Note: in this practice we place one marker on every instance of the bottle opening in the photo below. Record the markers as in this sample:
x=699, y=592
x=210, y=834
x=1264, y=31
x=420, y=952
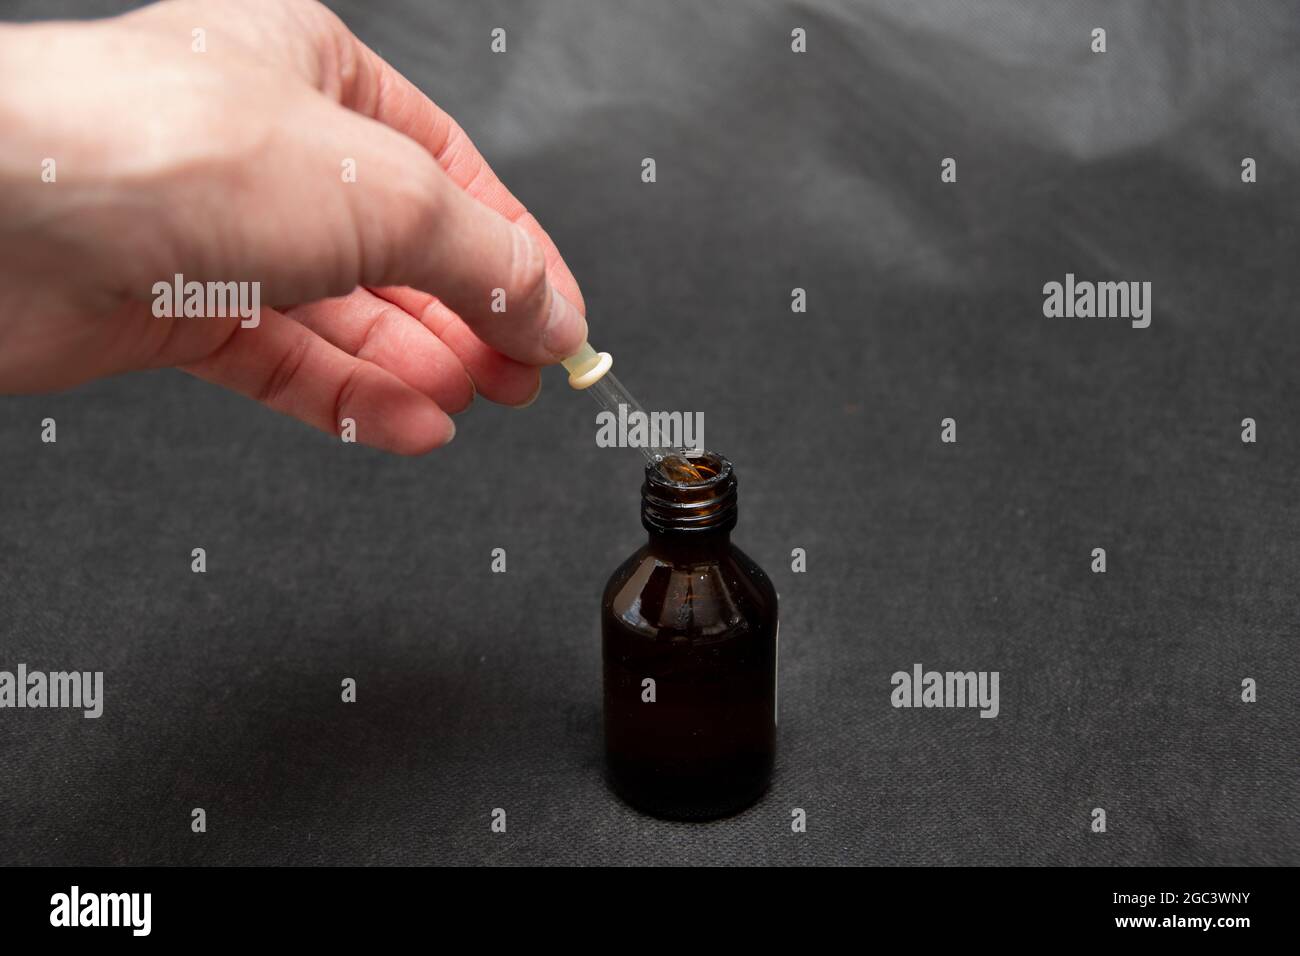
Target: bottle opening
x=691, y=492
x=691, y=468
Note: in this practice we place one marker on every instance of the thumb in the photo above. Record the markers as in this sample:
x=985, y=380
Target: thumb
x=416, y=227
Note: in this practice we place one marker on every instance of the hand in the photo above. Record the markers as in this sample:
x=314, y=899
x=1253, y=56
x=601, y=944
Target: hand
x=230, y=165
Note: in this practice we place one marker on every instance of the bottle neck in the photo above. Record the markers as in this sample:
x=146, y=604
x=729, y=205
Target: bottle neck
x=690, y=519
x=690, y=547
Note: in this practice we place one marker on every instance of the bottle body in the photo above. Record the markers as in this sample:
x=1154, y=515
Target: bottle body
x=689, y=634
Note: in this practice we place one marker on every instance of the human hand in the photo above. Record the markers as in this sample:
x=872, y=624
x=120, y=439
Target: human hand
x=230, y=165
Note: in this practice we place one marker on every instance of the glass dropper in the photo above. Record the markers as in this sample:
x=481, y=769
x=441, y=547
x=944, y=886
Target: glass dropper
x=589, y=371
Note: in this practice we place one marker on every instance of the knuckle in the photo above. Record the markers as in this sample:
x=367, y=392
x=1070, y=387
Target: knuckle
x=343, y=397
x=461, y=399
x=529, y=288
x=430, y=196
x=421, y=206
x=386, y=321
x=415, y=209
x=281, y=377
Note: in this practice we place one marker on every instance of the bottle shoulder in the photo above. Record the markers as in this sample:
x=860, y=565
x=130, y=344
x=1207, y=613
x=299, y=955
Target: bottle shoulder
x=706, y=599
x=751, y=569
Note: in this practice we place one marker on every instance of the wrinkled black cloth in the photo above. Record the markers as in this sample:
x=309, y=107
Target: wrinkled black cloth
x=775, y=170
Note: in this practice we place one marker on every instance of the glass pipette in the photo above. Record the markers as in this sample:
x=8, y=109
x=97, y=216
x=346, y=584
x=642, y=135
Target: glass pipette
x=589, y=371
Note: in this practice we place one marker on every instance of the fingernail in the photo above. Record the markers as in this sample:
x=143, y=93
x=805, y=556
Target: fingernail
x=565, y=330
x=537, y=391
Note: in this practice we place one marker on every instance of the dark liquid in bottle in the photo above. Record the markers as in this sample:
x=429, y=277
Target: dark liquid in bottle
x=689, y=644
x=679, y=468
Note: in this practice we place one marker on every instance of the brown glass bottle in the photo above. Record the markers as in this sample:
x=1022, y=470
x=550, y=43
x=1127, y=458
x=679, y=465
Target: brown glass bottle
x=690, y=612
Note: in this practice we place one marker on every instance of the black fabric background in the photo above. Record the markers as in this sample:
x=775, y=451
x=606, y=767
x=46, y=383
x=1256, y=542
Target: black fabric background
x=775, y=170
